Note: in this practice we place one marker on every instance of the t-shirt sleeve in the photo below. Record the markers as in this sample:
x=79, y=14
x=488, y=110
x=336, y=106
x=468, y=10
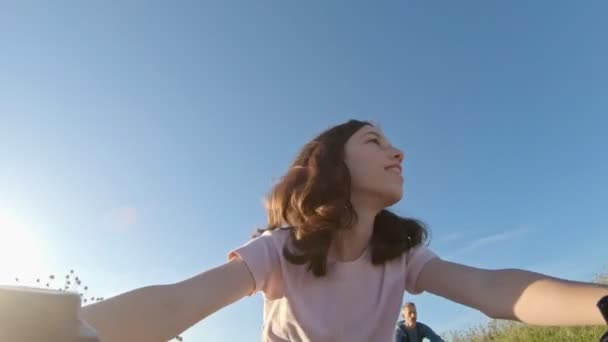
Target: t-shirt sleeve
x=262, y=257
x=416, y=258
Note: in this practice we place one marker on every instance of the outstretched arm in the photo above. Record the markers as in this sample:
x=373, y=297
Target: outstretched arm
x=430, y=334
x=521, y=295
x=159, y=313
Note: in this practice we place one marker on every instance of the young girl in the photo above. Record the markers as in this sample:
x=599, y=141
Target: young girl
x=333, y=263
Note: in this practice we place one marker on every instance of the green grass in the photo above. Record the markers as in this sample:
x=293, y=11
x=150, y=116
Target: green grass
x=503, y=331
x=507, y=331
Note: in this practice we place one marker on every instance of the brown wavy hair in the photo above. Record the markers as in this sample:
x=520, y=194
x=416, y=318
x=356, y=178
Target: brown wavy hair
x=313, y=199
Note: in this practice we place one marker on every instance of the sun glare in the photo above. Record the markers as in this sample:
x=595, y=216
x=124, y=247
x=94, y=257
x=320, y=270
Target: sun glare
x=20, y=252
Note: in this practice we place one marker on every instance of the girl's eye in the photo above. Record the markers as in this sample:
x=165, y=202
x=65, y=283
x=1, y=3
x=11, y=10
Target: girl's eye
x=375, y=141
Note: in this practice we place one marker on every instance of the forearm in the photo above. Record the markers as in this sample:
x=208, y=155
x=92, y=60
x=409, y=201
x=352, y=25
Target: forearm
x=433, y=337
x=541, y=300
x=430, y=334
x=144, y=314
x=159, y=313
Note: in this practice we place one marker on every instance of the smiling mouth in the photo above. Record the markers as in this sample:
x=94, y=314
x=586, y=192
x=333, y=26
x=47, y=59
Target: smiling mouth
x=394, y=169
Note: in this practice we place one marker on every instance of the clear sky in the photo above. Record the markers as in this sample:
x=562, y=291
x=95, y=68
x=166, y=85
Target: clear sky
x=138, y=139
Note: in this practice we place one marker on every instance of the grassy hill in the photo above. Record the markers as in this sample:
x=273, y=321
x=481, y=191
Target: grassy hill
x=507, y=331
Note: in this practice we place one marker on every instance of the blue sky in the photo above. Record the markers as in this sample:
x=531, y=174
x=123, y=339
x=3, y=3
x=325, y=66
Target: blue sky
x=137, y=140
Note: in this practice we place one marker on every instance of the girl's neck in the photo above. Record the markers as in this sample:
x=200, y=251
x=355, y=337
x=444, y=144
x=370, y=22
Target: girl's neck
x=350, y=244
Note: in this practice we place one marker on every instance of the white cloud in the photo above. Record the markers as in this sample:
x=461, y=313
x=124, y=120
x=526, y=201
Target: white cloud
x=488, y=240
x=452, y=237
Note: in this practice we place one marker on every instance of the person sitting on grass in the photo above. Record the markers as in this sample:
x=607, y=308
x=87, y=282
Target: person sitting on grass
x=410, y=330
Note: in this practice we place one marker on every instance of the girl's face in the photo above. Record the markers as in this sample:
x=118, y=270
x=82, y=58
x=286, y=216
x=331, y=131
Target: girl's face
x=375, y=168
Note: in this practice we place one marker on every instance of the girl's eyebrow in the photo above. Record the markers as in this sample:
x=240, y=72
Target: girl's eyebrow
x=372, y=133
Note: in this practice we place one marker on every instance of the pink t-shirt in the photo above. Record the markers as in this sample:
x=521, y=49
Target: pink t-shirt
x=355, y=301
